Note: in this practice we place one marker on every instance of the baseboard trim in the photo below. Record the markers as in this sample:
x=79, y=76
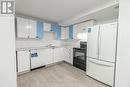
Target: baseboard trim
x=38, y=67
x=20, y=73
x=68, y=63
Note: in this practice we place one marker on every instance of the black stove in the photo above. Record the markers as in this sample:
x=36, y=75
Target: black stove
x=79, y=56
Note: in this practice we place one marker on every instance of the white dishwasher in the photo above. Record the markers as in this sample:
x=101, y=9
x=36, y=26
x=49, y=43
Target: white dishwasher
x=37, y=59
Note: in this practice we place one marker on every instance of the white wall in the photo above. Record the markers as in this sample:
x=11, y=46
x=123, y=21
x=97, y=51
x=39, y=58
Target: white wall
x=123, y=57
x=7, y=53
x=49, y=38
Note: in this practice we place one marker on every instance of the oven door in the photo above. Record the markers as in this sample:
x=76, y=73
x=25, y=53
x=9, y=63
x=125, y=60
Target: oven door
x=79, y=58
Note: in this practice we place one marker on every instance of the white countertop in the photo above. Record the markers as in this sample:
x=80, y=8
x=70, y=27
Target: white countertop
x=31, y=48
x=38, y=48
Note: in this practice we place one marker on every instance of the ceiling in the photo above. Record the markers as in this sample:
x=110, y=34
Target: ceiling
x=106, y=14
x=56, y=10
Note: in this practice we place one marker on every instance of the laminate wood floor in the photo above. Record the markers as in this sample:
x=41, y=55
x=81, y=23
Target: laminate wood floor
x=59, y=75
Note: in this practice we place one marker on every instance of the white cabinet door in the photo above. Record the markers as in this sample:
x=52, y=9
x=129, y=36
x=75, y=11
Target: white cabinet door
x=92, y=43
x=64, y=33
x=26, y=28
x=44, y=57
x=47, y=26
x=58, y=54
x=75, y=32
x=68, y=55
x=71, y=55
x=22, y=28
x=48, y=55
x=23, y=61
x=102, y=71
x=33, y=29
x=81, y=28
x=107, y=46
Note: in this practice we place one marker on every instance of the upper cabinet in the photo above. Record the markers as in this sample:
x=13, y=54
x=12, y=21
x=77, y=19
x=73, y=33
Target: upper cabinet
x=40, y=29
x=81, y=28
x=22, y=28
x=57, y=30
x=75, y=32
x=71, y=32
x=32, y=28
x=27, y=28
x=71, y=36
x=47, y=26
x=64, y=32
x=67, y=32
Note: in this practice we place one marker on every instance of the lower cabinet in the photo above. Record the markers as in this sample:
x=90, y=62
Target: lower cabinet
x=23, y=61
x=32, y=59
x=65, y=54
x=41, y=57
x=58, y=54
x=68, y=55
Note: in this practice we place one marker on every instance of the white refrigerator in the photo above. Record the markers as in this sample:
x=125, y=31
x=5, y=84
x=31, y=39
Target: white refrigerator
x=101, y=52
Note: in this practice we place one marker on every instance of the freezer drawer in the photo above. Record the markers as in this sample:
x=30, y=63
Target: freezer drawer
x=102, y=71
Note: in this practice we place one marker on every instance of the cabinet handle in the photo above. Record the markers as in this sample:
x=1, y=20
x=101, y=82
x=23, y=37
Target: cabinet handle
x=100, y=64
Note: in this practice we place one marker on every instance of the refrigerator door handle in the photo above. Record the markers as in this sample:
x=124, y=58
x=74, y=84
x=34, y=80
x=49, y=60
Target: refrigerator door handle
x=100, y=64
x=99, y=40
